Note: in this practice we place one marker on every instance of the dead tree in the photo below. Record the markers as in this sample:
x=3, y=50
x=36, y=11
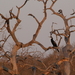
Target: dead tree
x=18, y=44
x=66, y=34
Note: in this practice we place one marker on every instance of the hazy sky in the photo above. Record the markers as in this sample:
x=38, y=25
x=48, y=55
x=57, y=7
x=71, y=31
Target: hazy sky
x=28, y=25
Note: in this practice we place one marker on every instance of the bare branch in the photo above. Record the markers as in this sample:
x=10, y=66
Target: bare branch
x=8, y=25
x=32, y=66
x=1, y=40
x=42, y=63
x=18, y=20
x=53, y=2
x=23, y=4
x=62, y=60
x=73, y=12
x=40, y=23
x=34, y=18
x=72, y=26
x=9, y=31
x=4, y=26
x=5, y=40
x=44, y=47
x=16, y=25
x=60, y=38
x=59, y=41
x=20, y=8
x=52, y=25
x=38, y=43
x=45, y=13
x=56, y=13
x=72, y=31
x=54, y=32
x=70, y=18
x=12, y=14
x=72, y=51
x=3, y=17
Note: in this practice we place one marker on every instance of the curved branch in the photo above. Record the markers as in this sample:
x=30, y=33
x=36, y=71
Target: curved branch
x=72, y=31
x=72, y=26
x=42, y=46
x=32, y=66
x=38, y=43
x=62, y=60
x=22, y=5
x=70, y=18
x=34, y=18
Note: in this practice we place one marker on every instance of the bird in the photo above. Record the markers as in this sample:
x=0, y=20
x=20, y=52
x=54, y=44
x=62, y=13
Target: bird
x=53, y=43
x=60, y=11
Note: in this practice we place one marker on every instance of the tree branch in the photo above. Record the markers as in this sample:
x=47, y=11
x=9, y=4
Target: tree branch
x=38, y=43
x=3, y=17
x=70, y=18
x=20, y=8
x=45, y=13
x=72, y=26
x=5, y=40
x=72, y=31
x=56, y=13
x=34, y=18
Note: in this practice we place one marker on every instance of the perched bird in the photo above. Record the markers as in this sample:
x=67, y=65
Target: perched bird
x=53, y=43
x=60, y=11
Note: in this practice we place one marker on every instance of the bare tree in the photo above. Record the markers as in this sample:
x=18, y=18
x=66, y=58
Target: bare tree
x=66, y=33
x=18, y=45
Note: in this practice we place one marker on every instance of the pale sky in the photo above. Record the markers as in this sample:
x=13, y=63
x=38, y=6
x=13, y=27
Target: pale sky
x=28, y=25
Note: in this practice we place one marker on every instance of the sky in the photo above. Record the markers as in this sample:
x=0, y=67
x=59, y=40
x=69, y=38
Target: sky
x=28, y=25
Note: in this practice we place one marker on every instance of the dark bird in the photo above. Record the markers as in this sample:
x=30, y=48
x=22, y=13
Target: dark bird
x=60, y=11
x=54, y=43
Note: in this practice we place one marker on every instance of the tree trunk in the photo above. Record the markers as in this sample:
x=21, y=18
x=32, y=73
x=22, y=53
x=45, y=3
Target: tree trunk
x=66, y=50
x=66, y=68
x=13, y=60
